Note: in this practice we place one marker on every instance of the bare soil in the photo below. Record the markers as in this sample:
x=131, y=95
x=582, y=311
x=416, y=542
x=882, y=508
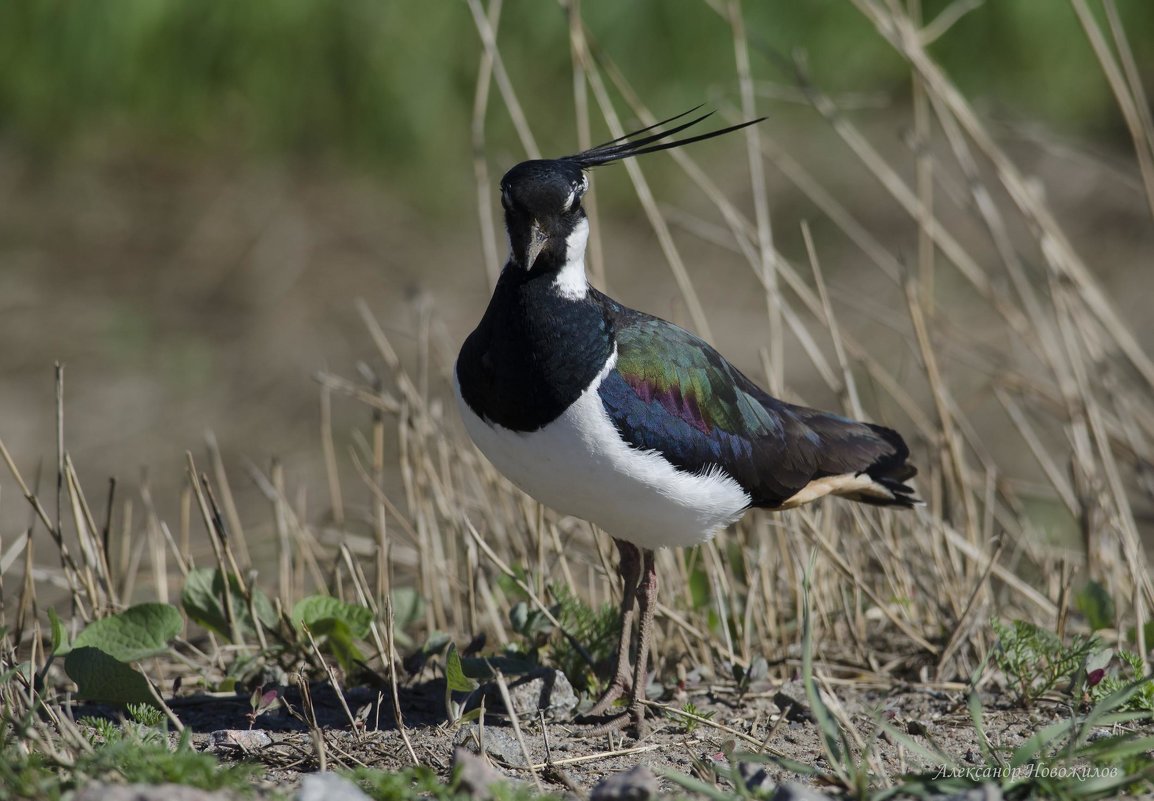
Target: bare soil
x=567, y=759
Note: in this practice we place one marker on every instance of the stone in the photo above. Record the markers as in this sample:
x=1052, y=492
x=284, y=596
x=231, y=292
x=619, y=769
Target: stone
x=794, y=710
x=636, y=784
x=246, y=740
x=497, y=742
x=329, y=787
x=98, y=791
x=474, y=775
x=756, y=777
x=987, y=792
x=790, y=791
x=541, y=690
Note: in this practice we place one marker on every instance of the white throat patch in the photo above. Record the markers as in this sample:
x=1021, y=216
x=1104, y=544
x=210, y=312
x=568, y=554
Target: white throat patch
x=571, y=282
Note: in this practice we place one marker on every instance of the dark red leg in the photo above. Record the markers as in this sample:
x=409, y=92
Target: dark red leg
x=629, y=568
x=646, y=603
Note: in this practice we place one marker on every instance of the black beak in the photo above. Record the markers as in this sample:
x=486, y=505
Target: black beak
x=538, y=239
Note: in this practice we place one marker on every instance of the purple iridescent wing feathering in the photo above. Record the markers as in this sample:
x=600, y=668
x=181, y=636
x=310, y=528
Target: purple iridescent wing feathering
x=674, y=394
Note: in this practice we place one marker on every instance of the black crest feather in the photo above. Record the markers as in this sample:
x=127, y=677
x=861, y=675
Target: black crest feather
x=627, y=146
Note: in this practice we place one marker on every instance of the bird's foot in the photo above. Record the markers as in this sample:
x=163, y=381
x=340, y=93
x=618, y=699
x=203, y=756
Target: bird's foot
x=618, y=688
x=631, y=721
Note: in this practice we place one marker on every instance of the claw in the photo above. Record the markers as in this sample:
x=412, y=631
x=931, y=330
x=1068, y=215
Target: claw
x=631, y=721
x=605, y=702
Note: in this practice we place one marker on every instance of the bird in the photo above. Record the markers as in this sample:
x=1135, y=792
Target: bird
x=630, y=422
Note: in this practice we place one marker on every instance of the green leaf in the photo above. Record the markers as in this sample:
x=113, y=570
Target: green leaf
x=408, y=607
x=470, y=716
x=1036, y=745
x=338, y=641
x=519, y=618
x=1095, y=603
x=203, y=600
x=316, y=608
x=140, y=631
x=509, y=586
x=1117, y=747
x=455, y=678
x=60, y=644
x=101, y=677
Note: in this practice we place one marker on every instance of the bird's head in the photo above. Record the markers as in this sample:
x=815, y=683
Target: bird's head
x=543, y=214
x=542, y=198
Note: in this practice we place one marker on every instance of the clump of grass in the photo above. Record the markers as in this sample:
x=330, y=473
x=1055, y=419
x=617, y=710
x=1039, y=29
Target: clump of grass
x=1128, y=675
x=422, y=782
x=1035, y=660
x=693, y=716
x=1090, y=755
x=135, y=750
x=595, y=629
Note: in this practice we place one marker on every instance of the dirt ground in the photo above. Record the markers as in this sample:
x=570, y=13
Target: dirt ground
x=750, y=721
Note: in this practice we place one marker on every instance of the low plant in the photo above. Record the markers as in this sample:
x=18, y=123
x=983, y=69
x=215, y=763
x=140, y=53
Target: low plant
x=244, y=614
x=1035, y=660
x=100, y=659
x=134, y=750
x=693, y=716
x=1088, y=755
x=1127, y=674
x=420, y=781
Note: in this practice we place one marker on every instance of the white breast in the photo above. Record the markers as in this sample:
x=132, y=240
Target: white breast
x=580, y=466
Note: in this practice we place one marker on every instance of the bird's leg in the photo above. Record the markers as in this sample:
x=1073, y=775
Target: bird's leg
x=646, y=604
x=629, y=568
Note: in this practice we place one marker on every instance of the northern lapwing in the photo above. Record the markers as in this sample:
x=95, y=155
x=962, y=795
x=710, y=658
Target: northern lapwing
x=629, y=421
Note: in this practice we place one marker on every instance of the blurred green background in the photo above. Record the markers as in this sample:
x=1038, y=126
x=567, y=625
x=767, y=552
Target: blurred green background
x=387, y=85
x=192, y=192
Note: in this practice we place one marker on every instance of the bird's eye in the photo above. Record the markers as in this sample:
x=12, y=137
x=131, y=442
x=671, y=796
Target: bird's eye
x=506, y=200
x=576, y=192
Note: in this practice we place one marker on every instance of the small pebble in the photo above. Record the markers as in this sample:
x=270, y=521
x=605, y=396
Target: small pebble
x=474, y=775
x=636, y=784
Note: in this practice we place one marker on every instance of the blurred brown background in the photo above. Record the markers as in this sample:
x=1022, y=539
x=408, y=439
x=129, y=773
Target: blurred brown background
x=193, y=195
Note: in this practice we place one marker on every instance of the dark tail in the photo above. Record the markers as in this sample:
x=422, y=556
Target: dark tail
x=890, y=472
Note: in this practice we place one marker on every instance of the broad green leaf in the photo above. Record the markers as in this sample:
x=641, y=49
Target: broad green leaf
x=203, y=602
x=337, y=639
x=408, y=607
x=315, y=608
x=101, y=677
x=1095, y=603
x=60, y=644
x=455, y=678
x=470, y=716
x=511, y=588
x=140, y=631
x=519, y=618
